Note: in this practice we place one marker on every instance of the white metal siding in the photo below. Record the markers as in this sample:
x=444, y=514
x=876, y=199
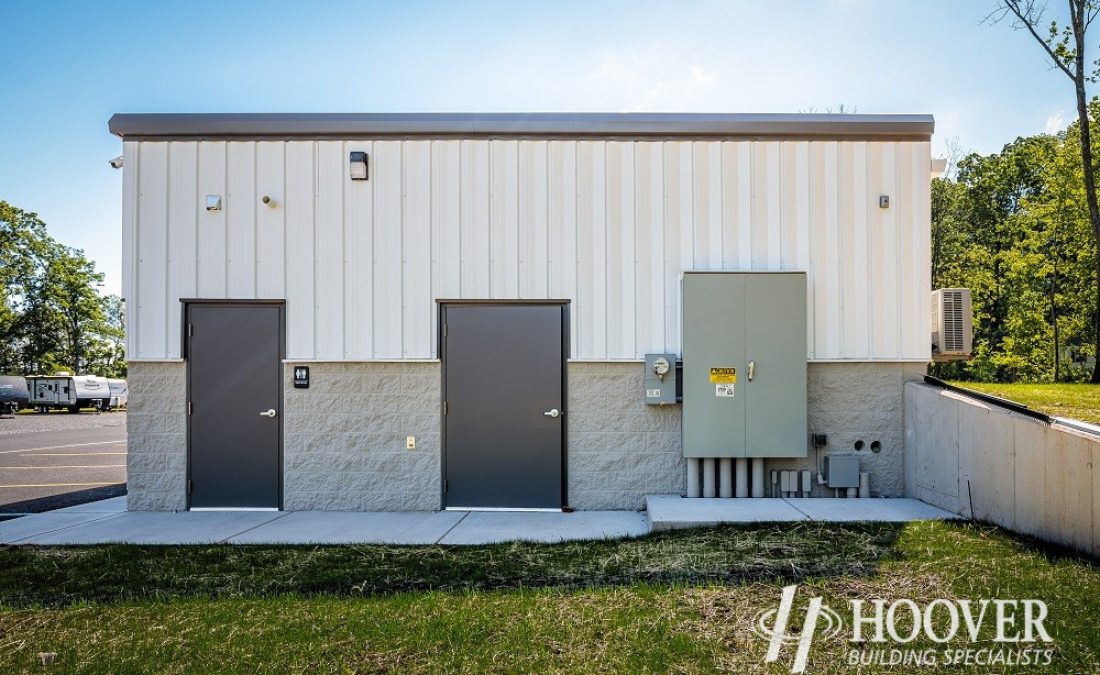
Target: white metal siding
x=609, y=225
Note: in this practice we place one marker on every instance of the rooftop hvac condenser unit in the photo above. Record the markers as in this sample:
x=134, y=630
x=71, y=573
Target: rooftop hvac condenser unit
x=952, y=324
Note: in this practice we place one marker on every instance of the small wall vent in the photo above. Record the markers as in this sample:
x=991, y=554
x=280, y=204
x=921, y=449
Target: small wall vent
x=952, y=327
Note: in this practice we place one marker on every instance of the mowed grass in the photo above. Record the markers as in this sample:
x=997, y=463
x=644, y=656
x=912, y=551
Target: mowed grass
x=681, y=602
x=1076, y=401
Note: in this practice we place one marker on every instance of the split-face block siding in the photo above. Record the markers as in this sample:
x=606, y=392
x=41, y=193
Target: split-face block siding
x=344, y=437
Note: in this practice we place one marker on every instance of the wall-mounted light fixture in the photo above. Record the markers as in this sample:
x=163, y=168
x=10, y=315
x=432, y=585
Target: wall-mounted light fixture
x=213, y=203
x=884, y=201
x=358, y=165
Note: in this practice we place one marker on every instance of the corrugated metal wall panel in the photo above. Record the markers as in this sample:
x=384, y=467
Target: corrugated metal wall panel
x=534, y=253
x=271, y=220
x=241, y=201
x=300, y=262
x=388, y=317
x=211, y=262
x=332, y=177
x=418, y=305
x=183, y=218
x=130, y=174
x=649, y=231
x=359, y=261
x=152, y=250
x=609, y=225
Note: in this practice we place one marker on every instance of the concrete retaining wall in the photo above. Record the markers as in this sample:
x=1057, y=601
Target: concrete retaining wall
x=1019, y=472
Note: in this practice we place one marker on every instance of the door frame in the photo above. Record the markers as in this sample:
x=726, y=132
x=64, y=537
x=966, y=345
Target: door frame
x=441, y=313
x=185, y=307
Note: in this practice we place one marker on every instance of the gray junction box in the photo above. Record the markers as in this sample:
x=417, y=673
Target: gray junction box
x=660, y=379
x=744, y=364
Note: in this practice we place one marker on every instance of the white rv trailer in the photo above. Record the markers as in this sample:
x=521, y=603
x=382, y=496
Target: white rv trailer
x=119, y=393
x=71, y=392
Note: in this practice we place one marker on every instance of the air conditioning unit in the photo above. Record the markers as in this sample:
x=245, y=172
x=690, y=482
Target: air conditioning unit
x=952, y=324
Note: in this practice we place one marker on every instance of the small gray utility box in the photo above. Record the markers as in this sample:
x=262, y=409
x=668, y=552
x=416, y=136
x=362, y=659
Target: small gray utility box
x=744, y=364
x=660, y=379
x=841, y=471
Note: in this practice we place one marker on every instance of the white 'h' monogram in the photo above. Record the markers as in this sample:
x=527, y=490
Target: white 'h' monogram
x=778, y=631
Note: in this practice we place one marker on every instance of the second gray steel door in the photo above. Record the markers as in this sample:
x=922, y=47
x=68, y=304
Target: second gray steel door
x=234, y=370
x=503, y=391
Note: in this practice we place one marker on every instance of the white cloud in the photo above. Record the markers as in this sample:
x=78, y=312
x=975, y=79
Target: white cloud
x=1055, y=122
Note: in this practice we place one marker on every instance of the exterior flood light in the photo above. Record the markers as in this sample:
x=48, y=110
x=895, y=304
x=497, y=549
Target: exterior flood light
x=358, y=165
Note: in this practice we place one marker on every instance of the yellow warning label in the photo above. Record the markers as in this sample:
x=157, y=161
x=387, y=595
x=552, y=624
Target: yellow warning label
x=726, y=375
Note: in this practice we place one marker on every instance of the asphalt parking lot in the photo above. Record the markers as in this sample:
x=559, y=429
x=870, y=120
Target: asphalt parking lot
x=55, y=460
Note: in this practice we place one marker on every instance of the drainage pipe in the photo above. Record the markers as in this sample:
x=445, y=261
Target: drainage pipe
x=851, y=493
x=742, y=471
x=757, y=477
x=725, y=477
x=864, y=485
x=708, y=477
x=693, y=477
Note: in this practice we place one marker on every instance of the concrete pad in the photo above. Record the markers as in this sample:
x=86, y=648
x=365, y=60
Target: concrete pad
x=340, y=527
x=671, y=512
x=829, y=510
x=490, y=527
x=146, y=527
x=40, y=524
x=112, y=505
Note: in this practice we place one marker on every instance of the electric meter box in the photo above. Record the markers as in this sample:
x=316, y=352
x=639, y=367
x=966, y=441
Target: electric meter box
x=660, y=379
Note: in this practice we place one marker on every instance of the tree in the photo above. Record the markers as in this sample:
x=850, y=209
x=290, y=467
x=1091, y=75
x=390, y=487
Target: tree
x=1065, y=47
x=52, y=315
x=72, y=289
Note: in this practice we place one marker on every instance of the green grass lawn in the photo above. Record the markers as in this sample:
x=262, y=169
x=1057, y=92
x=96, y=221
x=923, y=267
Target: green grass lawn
x=682, y=601
x=1076, y=401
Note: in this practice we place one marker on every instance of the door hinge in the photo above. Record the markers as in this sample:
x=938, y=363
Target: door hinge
x=189, y=407
x=444, y=407
x=190, y=486
x=444, y=330
x=190, y=330
x=444, y=486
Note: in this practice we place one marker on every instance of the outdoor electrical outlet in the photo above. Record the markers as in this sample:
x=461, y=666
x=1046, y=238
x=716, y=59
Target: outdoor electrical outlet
x=410, y=442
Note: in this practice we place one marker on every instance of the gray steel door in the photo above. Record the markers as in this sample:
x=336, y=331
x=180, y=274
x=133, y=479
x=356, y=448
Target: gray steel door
x=502, y=368
x=234, y=361
x=775, y=327
x=714, y=337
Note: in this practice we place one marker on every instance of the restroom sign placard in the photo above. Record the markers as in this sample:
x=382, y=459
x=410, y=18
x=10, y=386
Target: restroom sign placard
x=723, y=375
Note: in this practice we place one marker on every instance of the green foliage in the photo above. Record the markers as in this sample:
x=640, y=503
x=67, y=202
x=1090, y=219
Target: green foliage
x=1014, y=228
x=52, y=315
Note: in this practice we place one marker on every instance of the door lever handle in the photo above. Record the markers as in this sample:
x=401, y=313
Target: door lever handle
x=752, y=367
x=269, y=413
x=553, y=413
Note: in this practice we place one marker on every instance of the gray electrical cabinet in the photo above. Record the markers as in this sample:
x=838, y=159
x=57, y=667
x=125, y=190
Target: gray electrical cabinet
x=744, y=352
x=660, y=379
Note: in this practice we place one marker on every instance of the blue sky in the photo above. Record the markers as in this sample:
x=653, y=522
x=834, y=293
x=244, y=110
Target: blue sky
x=65, y=67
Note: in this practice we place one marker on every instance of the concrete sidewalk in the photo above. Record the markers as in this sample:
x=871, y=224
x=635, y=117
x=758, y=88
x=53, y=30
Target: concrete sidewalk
x=671, y=512
x=108, y=522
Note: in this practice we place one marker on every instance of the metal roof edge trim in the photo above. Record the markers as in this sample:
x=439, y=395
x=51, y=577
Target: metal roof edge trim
x=511, y=125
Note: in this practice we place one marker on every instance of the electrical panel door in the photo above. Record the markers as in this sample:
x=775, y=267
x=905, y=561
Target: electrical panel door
x=744, y=364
